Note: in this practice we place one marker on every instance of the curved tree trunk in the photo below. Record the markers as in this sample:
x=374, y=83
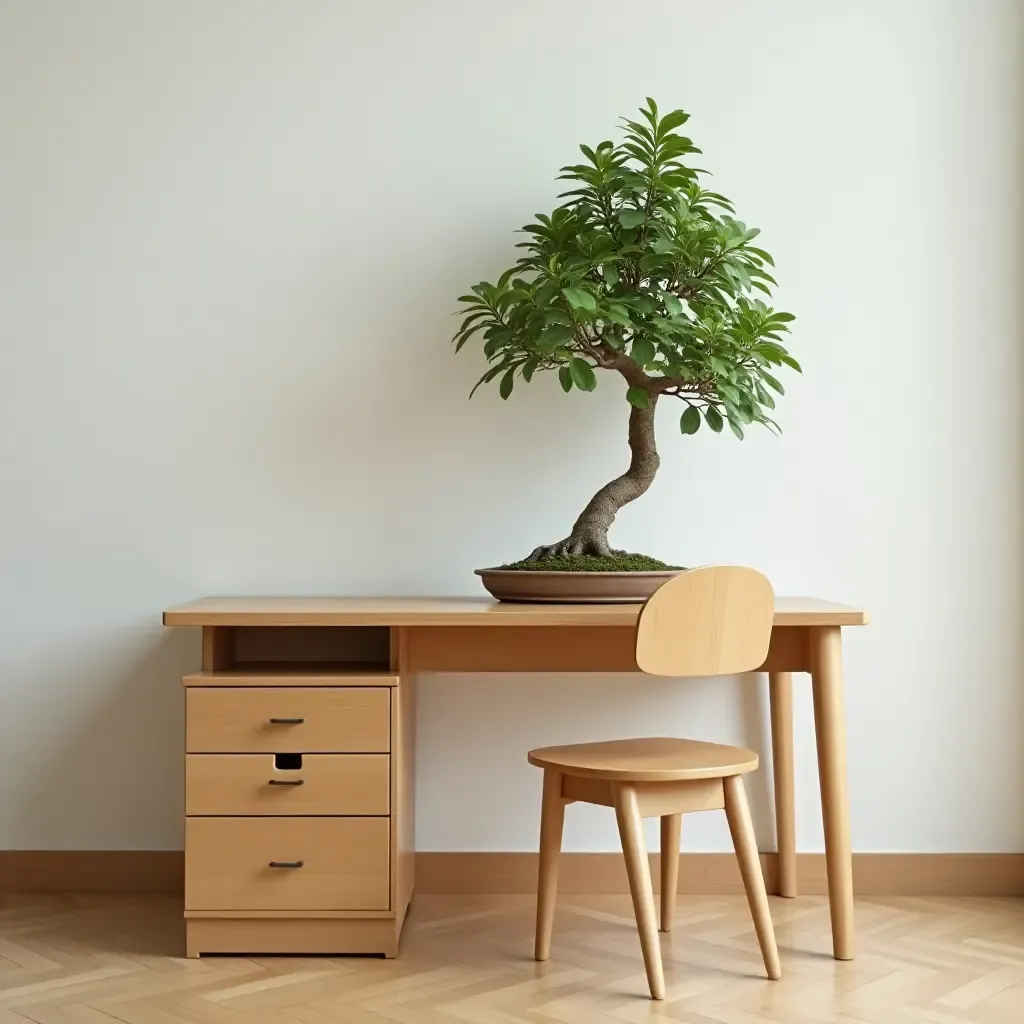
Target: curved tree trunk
x=590, y=533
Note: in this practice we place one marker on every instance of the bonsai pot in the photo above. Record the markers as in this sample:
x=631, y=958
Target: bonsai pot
x=560, y=587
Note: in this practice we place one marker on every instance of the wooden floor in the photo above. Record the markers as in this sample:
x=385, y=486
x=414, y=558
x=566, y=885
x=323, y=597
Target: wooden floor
x=467, y=959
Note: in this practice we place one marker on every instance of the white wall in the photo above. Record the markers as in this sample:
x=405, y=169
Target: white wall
x=231, y=233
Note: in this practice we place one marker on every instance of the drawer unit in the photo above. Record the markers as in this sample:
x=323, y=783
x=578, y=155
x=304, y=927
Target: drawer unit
x=318, y=784
x=287, y=864
x=299, y=750
x=288, y=720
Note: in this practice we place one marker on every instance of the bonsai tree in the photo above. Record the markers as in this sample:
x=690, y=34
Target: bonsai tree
x=644, y=273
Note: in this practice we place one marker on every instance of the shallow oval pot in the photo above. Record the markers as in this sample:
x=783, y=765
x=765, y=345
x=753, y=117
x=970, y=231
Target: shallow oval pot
x=538, y=586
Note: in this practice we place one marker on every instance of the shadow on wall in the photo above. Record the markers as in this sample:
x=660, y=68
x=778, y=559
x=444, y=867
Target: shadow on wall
x=110, y=774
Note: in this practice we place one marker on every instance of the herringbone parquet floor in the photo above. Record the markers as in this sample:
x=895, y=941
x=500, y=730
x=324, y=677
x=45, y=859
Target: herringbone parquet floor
x=98, y=959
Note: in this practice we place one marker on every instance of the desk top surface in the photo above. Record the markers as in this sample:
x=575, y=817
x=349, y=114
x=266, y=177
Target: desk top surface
x=458, y=611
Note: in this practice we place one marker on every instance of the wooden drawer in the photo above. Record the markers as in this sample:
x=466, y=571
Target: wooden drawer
x=344, y=864
x=250, y=784
x=347, y=720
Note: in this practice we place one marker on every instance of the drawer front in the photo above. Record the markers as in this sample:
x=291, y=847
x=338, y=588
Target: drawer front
x=347, y=720
x=344, y=864
x=250, y=784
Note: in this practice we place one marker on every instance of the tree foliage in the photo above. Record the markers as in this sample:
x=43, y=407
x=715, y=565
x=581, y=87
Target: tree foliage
x=642, y=271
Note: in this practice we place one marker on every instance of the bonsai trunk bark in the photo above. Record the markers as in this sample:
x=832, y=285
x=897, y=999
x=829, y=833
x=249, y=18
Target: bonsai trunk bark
x=590, y=533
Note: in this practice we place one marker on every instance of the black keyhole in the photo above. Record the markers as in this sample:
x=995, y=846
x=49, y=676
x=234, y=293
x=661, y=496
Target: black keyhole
x=288, y=762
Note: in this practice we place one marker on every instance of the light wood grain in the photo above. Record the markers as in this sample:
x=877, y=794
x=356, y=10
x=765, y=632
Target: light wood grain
x=671, y=828
x=631, y=831
x=100, y=959
x=403, y=780
x=742, y=830
x=830, y=733
x=552, y=816
x=654, y=799
x=294, y=936
x=345, y=864
x=249, y=784
x=284, y=915
x=291, y=675
x=707, y=622
x=567, y=648
x=440, y=611
x=218, y=647
x=780, y=690
x=646, y=759
x=238, y=720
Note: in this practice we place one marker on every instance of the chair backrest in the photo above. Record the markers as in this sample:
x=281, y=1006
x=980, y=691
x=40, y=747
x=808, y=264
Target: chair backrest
x=712, y=621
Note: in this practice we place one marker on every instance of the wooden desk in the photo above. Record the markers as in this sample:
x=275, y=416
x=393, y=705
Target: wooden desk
x=350, y=665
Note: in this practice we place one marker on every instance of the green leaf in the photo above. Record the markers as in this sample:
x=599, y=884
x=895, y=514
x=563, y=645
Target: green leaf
x=713, y=418
x=631, y=218
x=565, y=378
x=736, y=428
x=790, y=361
x=743, y=411
x=551, y=337
x=583, y=375
x=672, y=304
x=689, y=422
x=674, y=119
x=488, y=377
x=610, y=274
x=764, y=396
x=643, y=351
x=727, y=391
x=557, y=316
x=580, y=299
x=529, y=368
x=639, y=398
x=505, y=387
x=772, y=382
x=618, y=315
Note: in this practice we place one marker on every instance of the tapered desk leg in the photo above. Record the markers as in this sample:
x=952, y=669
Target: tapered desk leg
x=780, y=690
x=827, y=680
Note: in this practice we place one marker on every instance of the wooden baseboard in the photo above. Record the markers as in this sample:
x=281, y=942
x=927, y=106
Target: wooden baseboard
x=92, y=871
x=874, y=874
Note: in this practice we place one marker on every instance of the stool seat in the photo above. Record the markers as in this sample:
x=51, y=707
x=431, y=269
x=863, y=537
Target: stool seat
x=646, y=759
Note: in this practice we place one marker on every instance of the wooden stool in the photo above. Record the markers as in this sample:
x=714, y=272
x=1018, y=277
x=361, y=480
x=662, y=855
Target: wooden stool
x=706, y=622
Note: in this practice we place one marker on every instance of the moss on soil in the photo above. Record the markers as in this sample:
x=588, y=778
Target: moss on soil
x=592, y=563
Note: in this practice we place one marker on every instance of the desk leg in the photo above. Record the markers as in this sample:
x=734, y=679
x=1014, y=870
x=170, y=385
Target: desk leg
x=780, y=689
x=827, y=682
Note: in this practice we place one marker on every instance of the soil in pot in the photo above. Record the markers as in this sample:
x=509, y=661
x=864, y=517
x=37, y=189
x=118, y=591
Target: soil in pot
x=623, y=562
x=579, y=579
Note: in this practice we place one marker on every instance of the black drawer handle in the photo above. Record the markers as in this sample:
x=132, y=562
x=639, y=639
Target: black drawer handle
x=286, y=782
x=287, y=721
x=285, y=864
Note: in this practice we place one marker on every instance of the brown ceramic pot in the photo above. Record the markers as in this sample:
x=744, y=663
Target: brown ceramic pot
x=573, y=587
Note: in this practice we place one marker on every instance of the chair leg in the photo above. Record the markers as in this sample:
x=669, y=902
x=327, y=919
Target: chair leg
x=671, y=825
x=627, y=813
x=552, y=815
x=742, y=830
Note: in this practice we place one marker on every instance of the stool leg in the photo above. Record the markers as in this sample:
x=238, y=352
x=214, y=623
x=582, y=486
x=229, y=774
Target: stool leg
x=627, y=813
x=552, y=814
x=742, y=830
x=671, y=825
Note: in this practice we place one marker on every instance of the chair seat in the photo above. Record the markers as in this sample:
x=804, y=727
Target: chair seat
x=647, y=759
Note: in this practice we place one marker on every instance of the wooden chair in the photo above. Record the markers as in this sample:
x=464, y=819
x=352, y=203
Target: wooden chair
x=706, y=622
